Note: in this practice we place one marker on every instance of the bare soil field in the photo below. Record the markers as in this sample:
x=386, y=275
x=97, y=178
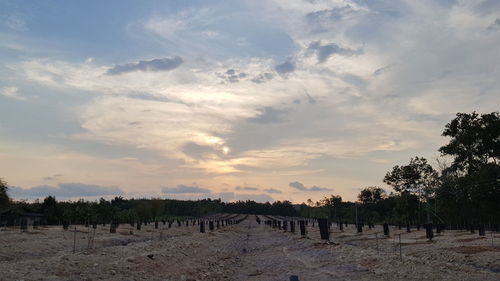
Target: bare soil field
x=245, y=251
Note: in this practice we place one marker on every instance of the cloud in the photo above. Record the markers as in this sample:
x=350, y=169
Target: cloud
x=382, y=70
x=232, y=76
x=53, y=177
x=310, y=99
x=14, y=22
x=197, y=151
x=272, y=190
x=321, y=20
x=248, y=188
x=181, y=189
x=299, y=186
x=495, y=24
x=323, y=52
x=12, y=92
x=286, y=67
x=262, y=78
x=269, y=115
x=153, y=65
x=65, y=190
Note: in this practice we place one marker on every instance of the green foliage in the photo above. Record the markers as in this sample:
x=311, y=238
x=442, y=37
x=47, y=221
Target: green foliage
x=371, y=195
x=418, y=177
x=470, y=187
x=475, y=141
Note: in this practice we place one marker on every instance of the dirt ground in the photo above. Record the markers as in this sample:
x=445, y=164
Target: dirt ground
x=245, y=251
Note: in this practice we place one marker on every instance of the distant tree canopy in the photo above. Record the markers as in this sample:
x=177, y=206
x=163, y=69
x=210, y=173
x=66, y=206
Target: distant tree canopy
x=120, y=210
x=4, y=197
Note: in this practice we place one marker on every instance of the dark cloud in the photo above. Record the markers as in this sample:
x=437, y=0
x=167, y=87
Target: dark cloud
x=284, y=68
x=50, y=178
x=272, y=190
x=486, y=7
x=310, y=99
x=269, y=115
x=301, y=187
x=297, y=185
x=320, y=20
x=263, y=77
x=65, y=190
x=323, y=52
x=383, y=70
x=149, y=97
x=164, y=64
x=181, y=188
x=135, y=123
x=495, y=24
x=248, y=188
x=232, y=76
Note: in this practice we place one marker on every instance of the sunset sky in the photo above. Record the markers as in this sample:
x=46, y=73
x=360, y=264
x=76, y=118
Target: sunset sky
x=262, y=100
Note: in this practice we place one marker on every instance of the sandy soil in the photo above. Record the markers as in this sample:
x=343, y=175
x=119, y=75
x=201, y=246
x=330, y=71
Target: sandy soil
x=246, y=251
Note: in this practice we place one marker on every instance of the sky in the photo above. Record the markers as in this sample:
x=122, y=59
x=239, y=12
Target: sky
x=238, y=100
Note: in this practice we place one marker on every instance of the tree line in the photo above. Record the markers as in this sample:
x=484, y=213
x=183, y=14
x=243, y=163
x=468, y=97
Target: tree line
x=461, y=193
x=120, y=210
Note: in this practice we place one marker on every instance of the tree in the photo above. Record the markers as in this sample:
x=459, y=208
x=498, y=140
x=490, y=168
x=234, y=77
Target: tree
x=417, y=178
x=371, y=195
x=470, y=186
x=4, y=197
x=475, y=141
x=333, y=204
x=50, y=210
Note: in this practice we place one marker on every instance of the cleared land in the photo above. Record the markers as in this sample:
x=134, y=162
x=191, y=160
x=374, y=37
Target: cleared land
x=245, y=251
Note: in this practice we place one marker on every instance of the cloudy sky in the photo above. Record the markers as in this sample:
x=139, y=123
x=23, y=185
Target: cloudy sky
x=264, y=100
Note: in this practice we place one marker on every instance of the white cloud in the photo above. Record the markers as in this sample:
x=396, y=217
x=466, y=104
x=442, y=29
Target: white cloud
x=12, y=92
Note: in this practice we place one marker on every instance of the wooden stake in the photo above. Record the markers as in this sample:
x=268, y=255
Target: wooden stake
x=74, y=241
x=400, y=249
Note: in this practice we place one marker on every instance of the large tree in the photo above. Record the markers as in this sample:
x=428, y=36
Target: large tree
x=417, y=178
x=475, y=141
x=471, y=185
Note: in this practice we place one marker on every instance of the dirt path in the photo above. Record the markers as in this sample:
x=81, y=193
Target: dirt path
x=272, y=255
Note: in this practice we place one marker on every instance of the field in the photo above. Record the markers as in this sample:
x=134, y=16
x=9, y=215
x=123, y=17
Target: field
x=244, y=251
